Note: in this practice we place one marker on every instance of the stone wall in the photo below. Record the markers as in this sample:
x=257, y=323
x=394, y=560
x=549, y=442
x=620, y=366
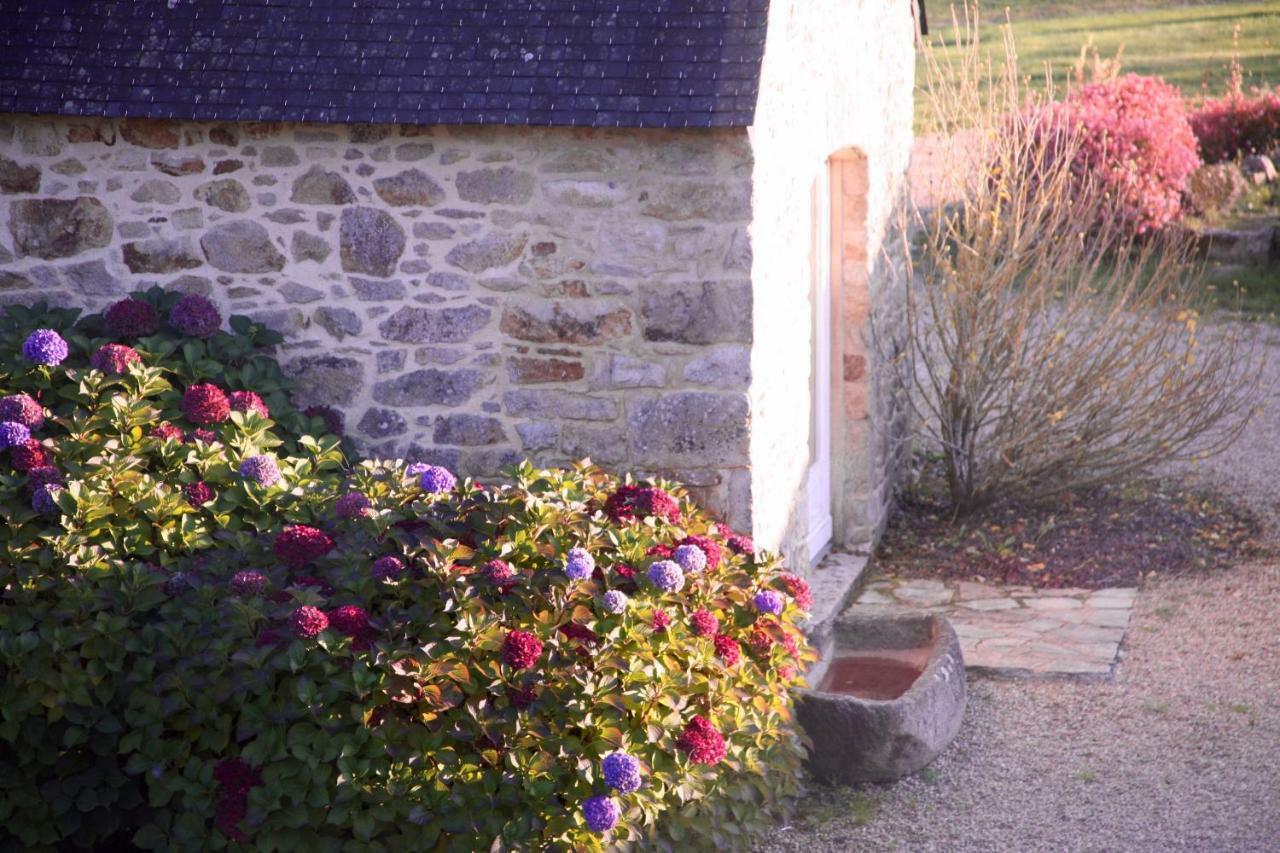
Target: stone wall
x=835, y=97
x=463, y=295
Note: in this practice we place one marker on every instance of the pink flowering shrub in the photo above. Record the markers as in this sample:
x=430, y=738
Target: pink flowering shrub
x=1136, y=145
x=195, y=662
x=1236, y=124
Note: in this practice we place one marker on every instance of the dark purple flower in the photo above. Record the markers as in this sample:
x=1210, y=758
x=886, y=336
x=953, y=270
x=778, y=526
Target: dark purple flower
x=45, y=498
x=198, y=493
x=195, y=316
x=349, y=619
x=131, y=318
x=387, y=568
x=248, y=583
x=42, y=476
x=351, y=505
x=22, y=409
x=45, y=346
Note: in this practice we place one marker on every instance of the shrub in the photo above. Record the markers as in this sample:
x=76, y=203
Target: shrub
x=1130, y=139
x=1044, y=355
x=1236, y=124
x=195, y=659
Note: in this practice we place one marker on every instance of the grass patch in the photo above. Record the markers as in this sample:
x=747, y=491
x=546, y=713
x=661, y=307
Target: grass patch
x=1253, y=291
x=1188, y=44
x=836, y=802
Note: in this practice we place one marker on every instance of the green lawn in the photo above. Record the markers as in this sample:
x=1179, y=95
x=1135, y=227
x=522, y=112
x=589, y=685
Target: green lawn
x=1189, y=44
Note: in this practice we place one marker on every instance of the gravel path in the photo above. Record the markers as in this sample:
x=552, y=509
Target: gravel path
x=1181, y=752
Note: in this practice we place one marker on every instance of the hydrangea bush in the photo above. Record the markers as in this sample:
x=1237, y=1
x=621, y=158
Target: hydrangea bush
x=216, y=633
x=1136, y=144
x=1237, y=123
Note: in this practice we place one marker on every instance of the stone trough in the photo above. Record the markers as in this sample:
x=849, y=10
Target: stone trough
x=886, y=698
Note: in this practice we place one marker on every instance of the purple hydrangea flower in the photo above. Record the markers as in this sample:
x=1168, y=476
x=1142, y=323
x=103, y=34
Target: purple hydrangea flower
x=667, y=576
x=263, y=470
x=13, y=434
x=248, y=583
x=579, y=564
x=22, y=408
x=351, y=505
x=416, y=469
x=615, y=601
x=387, y=568
x=44, y=346
x=691, y=558
x=621, y=772
x=601, y=813
x=195, y=316
x=436, y=480
x=768, y=601
x=45, y=498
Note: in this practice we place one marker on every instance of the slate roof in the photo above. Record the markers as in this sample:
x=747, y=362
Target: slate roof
x=600, y=63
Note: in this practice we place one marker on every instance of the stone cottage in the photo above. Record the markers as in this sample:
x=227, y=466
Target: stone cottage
x=647, y=232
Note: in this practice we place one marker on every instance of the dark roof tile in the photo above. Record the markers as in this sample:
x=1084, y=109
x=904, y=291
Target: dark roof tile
x=609, y=63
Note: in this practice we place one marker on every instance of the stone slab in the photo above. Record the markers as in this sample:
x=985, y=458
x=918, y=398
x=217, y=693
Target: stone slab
x=1016, y=631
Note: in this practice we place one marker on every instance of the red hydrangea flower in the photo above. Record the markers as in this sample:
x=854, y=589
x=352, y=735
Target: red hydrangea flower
x=29, y=455
x=43, y=475
x=351, y=505
x=167, y=432
x=205, y=404
x=299, y=544
x=131, y=318
x=580, y=633
x=740, y=544
x=701, y=740
x=759, y=638
x=114, y=358
x=499, y=573
x=727, y=649
x=662, y=551
x=22, y=409
x=235, y=775
x=307, y=621
x=198, y=493
x=661, y=621
x=790, y=644
x=704, y=623
x=798, y=588
x=349, y=619
x=522, y=697
x=520, y=649
x=631, y=502
x=247, y=401
x=711, y=549
x=787, y=672
x=332, y=419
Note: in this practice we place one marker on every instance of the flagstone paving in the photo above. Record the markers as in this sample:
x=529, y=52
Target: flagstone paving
x=1017, y=631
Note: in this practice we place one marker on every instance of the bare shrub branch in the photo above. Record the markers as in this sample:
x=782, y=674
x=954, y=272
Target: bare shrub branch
x=1049, y=352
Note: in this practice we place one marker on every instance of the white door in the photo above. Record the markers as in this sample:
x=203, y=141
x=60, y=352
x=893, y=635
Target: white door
x=819, y=481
